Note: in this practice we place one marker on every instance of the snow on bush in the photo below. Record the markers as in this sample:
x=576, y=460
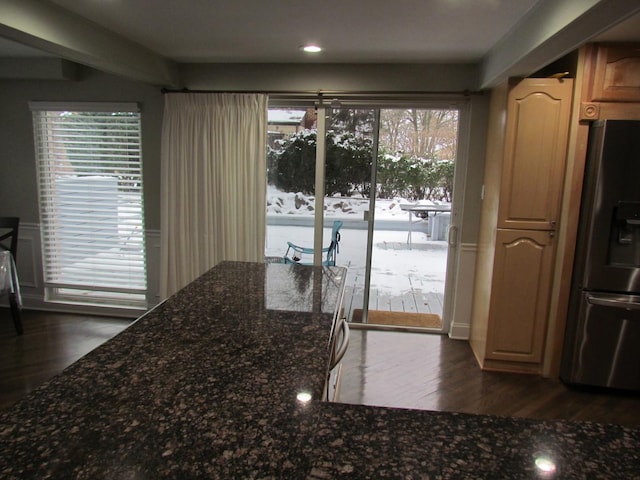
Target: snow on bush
x=291, y=203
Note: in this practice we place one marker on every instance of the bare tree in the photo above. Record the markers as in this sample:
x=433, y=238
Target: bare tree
x=391, y=122
x=427, y=133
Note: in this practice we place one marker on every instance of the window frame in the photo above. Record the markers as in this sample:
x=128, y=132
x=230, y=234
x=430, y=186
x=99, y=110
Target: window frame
x=114, y=272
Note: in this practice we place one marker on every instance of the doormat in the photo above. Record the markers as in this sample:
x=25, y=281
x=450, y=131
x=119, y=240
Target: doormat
x=400, y=319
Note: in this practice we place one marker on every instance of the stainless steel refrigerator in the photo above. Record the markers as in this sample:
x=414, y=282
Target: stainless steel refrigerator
x=602, y=341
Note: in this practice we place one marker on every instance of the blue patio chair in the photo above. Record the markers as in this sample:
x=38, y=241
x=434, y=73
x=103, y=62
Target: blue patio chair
x=304, y=256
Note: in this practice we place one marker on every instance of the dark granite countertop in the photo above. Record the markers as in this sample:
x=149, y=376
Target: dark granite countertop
x=205, y=386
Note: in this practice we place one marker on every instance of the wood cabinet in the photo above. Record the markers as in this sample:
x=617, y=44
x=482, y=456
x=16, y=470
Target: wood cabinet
x=523, y=184
x=611, y=81
x=522, y=273
x=534, y=154
x=616, y=74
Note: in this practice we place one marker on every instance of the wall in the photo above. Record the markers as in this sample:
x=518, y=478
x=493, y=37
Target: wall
x=313, y=77
x=18, y=183
x=18, y=187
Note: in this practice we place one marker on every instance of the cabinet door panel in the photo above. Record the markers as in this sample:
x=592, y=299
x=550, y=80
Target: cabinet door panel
x=617, y=74
x=535, y=154
x=520, y=294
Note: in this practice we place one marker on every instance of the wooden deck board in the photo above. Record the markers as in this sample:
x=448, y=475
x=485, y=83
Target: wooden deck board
x=414, y=297
x=414, y=300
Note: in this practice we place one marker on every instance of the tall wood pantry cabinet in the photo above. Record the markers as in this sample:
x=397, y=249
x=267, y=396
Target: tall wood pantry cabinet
x=524, y=171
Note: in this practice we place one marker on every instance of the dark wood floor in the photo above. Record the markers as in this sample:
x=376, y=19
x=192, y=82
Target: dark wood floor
x=433, y=372
x=397, y=369
x=50, y=343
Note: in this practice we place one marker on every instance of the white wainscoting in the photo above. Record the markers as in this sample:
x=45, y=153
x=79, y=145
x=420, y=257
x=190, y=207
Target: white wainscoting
x=30, y=275
x=461, y=317
x=31, y=281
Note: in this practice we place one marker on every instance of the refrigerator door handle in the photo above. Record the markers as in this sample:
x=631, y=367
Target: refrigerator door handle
x=609, y=302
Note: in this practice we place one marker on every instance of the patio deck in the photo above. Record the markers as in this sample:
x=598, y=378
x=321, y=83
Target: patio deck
x=405, y=277
x=417, y=297
x=412, y=302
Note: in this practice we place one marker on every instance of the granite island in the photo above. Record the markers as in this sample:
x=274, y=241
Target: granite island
x=206, y=385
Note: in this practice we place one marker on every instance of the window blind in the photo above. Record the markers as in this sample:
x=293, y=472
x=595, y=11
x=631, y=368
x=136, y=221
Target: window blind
x=91, y=209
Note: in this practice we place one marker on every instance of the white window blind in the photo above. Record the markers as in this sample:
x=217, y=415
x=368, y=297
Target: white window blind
x=91, y=212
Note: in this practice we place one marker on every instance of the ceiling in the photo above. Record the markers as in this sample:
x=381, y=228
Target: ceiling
x=272, y=31
x=258, y=31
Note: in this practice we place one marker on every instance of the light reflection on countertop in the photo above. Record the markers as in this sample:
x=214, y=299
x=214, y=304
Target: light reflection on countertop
x=298, y=288
x=545, y=465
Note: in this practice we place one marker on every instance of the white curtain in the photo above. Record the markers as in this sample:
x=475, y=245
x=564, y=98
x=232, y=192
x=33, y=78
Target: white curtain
x=213, y=184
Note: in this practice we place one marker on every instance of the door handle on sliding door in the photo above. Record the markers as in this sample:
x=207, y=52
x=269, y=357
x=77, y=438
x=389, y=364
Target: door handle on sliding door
x=452, y=236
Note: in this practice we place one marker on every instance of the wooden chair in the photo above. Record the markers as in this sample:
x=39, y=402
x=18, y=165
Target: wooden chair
x=9, y=241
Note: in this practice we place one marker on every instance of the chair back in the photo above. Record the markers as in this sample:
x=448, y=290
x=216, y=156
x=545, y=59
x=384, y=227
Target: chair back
x=297, y=253
x=334, y=247
x=335, y=231
x=9, y=234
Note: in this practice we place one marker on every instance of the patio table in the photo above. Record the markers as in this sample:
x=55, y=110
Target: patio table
x=422, y=212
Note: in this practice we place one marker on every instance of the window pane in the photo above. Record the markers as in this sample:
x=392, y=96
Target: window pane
x=291, y=159
x=90, y=186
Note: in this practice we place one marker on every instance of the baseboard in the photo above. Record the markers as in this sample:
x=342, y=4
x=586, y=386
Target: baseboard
x=460, y=331
x=34, y=302
x=491, y=365
x=460, y=328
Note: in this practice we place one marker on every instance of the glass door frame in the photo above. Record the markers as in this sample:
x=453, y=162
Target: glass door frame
x=459, y=102
x=371, y=219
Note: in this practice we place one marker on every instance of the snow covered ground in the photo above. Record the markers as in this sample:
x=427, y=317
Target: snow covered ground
x=397, y=267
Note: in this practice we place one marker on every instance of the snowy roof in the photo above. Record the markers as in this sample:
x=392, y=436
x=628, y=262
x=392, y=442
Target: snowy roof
x=293, y=117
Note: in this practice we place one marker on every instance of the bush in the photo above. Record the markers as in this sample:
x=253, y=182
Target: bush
x=291, y=168
x=348, y=164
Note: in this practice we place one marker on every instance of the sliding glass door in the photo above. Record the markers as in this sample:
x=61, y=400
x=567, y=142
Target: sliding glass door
x=350, y=157
x=389, y=177
x=291, y=160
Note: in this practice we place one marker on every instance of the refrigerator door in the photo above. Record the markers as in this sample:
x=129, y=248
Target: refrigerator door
x=606, y=350
x=610, y=218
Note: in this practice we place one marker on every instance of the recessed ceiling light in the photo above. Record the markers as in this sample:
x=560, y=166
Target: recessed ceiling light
x=311, y=48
